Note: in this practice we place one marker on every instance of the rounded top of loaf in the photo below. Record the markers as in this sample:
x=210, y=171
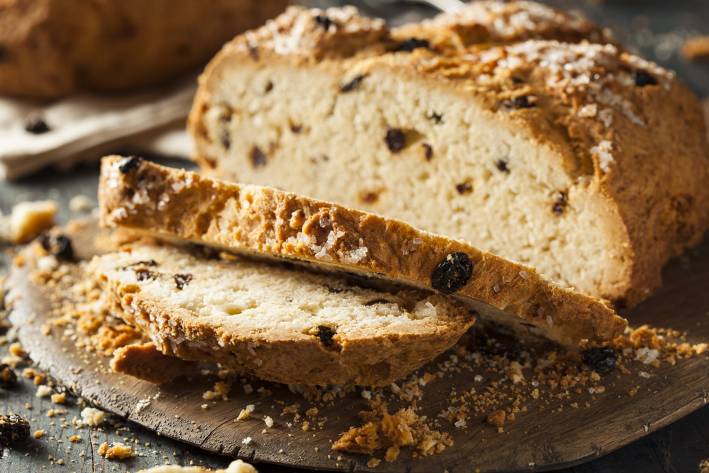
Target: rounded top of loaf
x=492, y=21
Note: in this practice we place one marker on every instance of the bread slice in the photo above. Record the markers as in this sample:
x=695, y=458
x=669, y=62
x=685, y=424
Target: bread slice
x=588, y=163
x=179, y=204
x=280, y=324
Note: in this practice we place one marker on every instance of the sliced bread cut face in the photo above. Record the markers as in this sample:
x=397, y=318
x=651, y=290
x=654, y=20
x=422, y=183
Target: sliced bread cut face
x=176, y=204
x=582, y=161
x=279, y=324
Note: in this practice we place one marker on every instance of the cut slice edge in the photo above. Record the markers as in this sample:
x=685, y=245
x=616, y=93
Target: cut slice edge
x=259, y=221
x=279, y=324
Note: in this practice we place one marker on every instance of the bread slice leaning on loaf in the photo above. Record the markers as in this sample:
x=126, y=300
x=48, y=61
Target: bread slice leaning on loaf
x=576, y=158
x=276, y=323
x=177, y=204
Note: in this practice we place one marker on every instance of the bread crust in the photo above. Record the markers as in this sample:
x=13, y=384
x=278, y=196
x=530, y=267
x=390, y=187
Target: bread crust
x=626, y=132
x=146, y=362
x=249, y=219
x=49, y=49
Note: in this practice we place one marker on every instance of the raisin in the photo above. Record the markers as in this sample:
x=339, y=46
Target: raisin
x=620, y=304
x=352, y=84
x=181, y=280
x=36, y=126
x=377, y=301
x=225, y=140
x=395, y=140
x=369, y=197
x=129, y=164
x=643, y=78
x=14, y=430
x=326, y=334
x=452, y=273
x=8, y=378
x=253, y=52
x=464, y=188
x=410, y=44
x=601, y=360
x=325, y=22
x=202, y=251
x=560, y=203
x=427, y=151
x=517, y=103
x=436, y=117
x=501, y=165
x=143, y=274
x=58, y=245
x=258, y=159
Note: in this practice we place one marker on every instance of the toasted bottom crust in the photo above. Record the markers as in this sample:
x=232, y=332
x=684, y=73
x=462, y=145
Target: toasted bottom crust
x=146, y=362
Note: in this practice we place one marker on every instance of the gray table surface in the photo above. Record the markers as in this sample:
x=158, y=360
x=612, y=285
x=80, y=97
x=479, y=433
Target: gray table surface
x=655, y=28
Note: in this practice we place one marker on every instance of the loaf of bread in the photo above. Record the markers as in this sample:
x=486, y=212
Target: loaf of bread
x=279, y=324
x=175, y=204
x=51, y=48
x=583, y=161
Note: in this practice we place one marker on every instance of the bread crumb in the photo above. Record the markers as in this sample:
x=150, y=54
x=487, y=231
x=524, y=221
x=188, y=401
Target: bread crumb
x=17, y=350
x=80, y=204
x=268, y=421
x=58, y=398
x=117, y=451
x=382, y=430
x=29, y=219
x=696, y=48
x=497, y=418
x=92, y=417
x=43, y=391
x=704, y=466
x=38, y=434
x=373, y=462
x=245, y=413
x=75, y=438
x=220, y=390
x=237, y=466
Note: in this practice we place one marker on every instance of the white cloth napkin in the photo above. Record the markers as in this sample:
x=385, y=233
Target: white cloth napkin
x=83, y=126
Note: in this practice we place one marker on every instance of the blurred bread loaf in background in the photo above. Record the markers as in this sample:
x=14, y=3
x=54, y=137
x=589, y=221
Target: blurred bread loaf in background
x=52, y=48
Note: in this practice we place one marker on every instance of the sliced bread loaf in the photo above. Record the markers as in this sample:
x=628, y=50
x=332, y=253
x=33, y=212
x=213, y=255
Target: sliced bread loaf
x=583, y=161
x=279, y=324
x=177, y=204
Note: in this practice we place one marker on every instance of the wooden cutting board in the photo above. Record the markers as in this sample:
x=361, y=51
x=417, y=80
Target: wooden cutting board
x=540, y=439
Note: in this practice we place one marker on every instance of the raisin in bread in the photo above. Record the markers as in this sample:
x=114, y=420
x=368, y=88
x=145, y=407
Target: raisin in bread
x=583, y=161
x=176, y=204
x=280, y=324
x=48, y=49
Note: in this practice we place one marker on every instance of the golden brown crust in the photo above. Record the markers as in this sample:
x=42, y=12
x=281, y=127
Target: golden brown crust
x=145, y=362
x=48, y=50
x=254, y=219
x=618, y=125
x=491, y=21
